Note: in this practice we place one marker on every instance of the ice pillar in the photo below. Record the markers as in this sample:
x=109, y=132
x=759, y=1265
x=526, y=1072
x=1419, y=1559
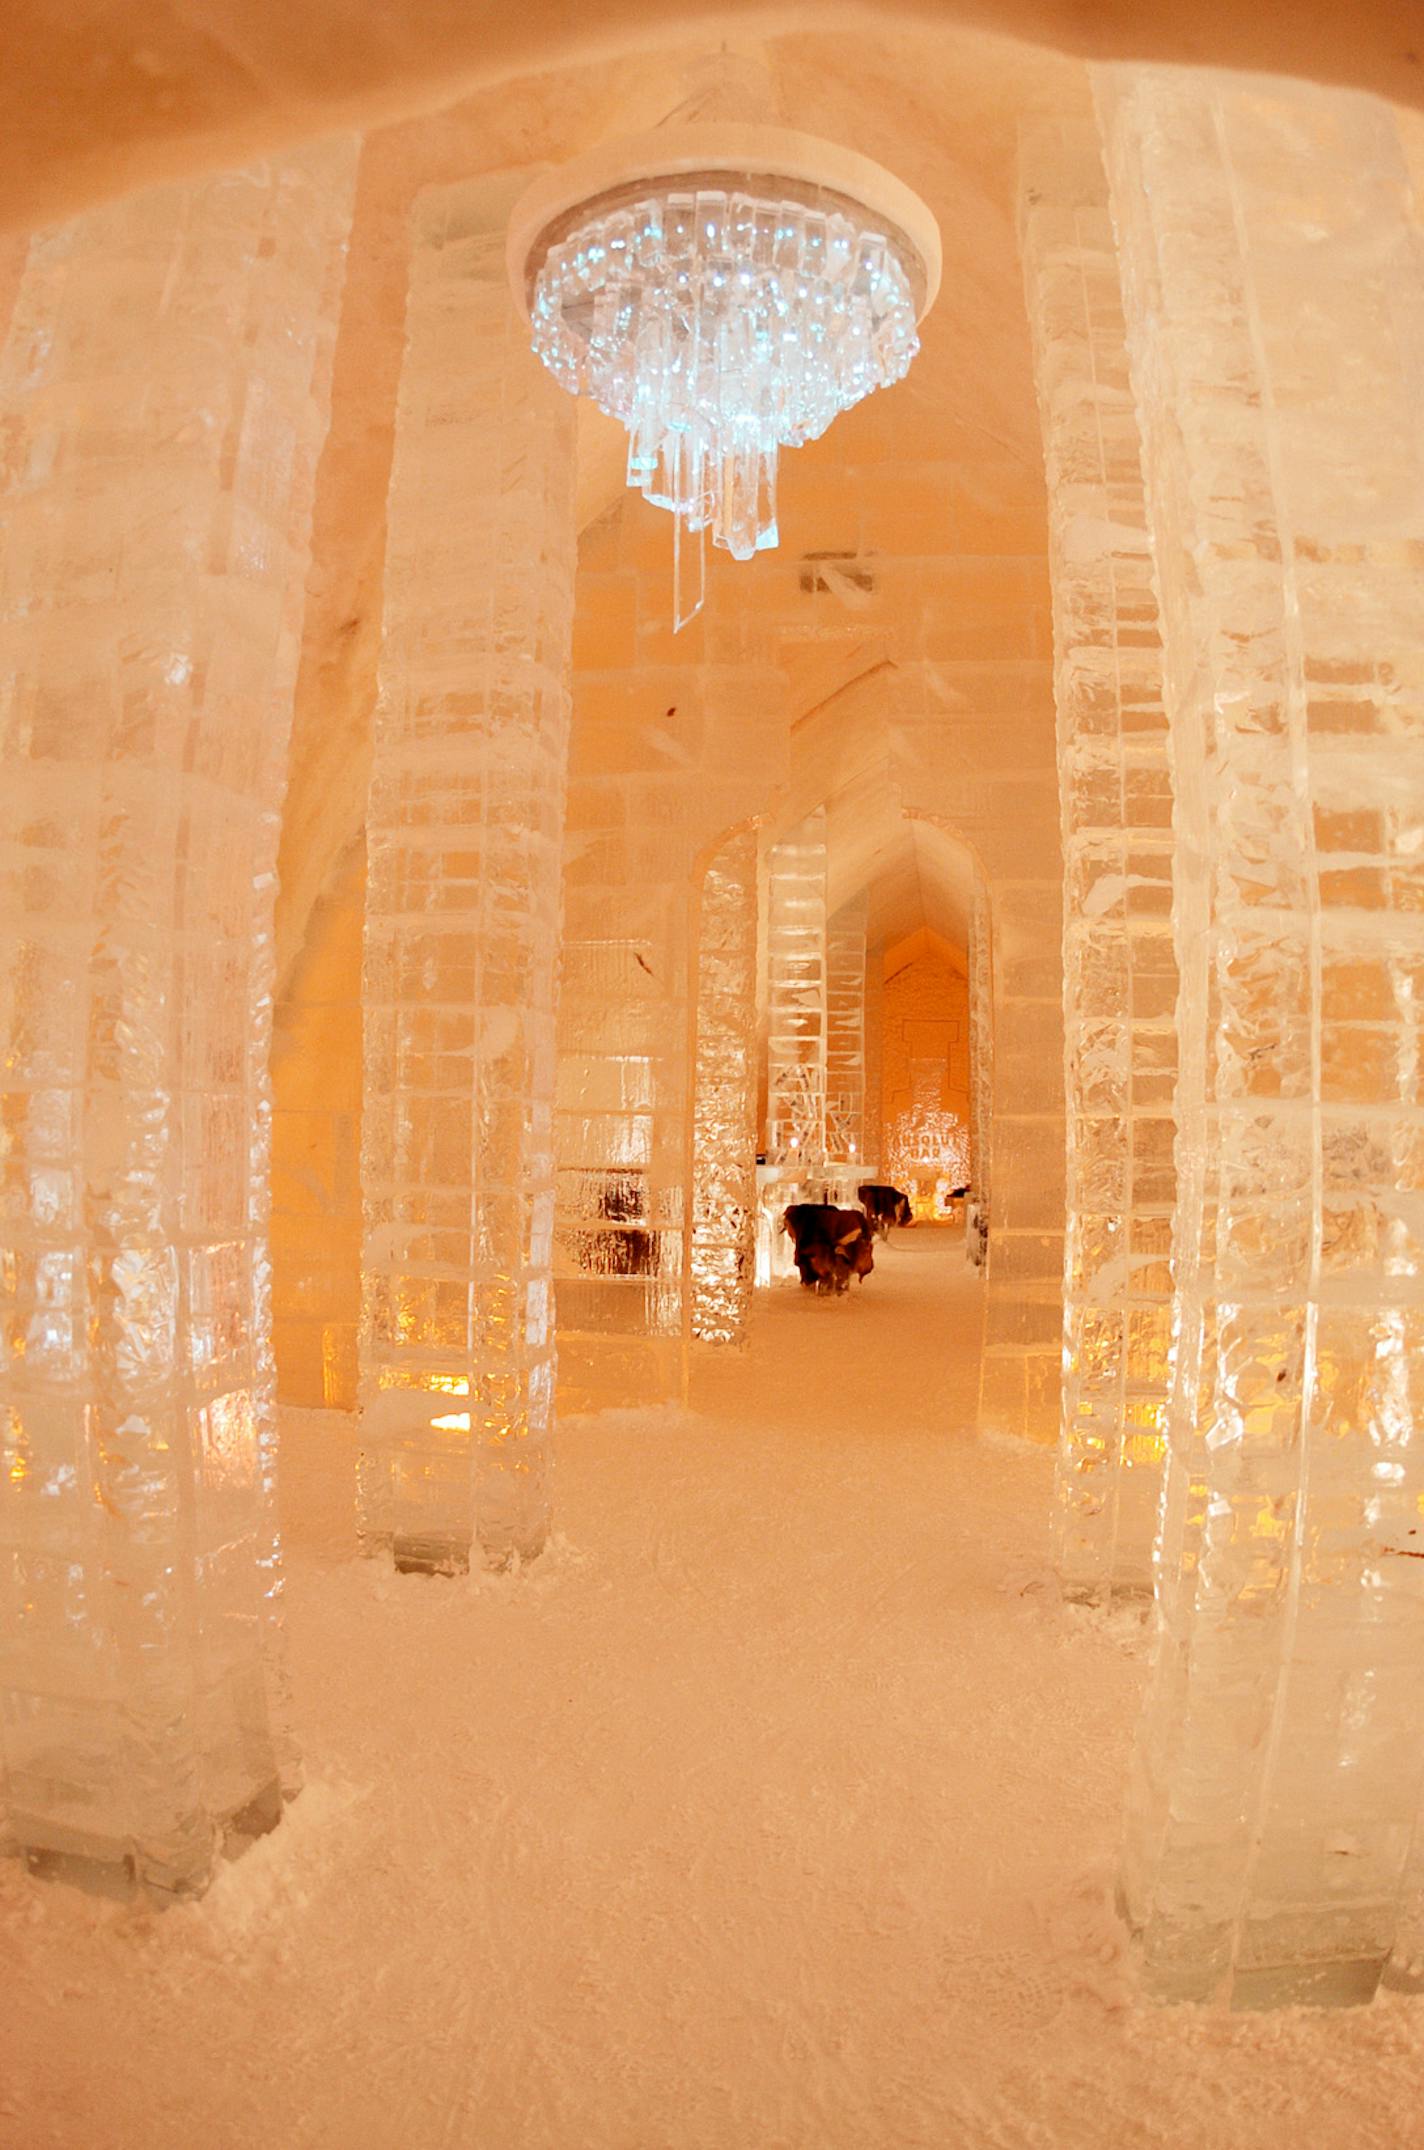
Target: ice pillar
x=464, y=834
x=874, y=1063
x=1272, y=287
x=1119, y=972
x=165, y=390
x=845, y=1033
x=981, y=1078
x=724, y=1127
x=667, y=759
x=796, y=1036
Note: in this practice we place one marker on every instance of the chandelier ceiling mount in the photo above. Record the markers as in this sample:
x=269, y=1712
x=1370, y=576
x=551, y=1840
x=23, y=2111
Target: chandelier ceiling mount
x=724, y=291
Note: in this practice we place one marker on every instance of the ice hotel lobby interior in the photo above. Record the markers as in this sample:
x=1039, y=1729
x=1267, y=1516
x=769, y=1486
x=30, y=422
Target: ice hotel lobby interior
x=711, y=1032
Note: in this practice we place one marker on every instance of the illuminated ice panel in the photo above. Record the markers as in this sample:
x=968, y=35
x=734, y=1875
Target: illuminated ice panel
x=1272, y=290
x=1115, y=796
x=464, y=835
x=165, y=391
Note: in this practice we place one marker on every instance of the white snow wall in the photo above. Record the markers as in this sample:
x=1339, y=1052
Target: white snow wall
x=464, y=839
x=1119, y=969
x=165, y=393
x=1274, y=303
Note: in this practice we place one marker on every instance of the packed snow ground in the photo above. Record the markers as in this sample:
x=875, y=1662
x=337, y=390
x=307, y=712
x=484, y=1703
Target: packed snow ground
x=773, y=1810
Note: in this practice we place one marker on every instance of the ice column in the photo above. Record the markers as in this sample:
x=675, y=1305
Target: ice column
x=667, y=760
x=1273, y=288
x=874, y=1062
x=725, y=1102
x=796, y=958
x=165, y=390
x=981, y=1078
x=845, y=1033
x=464, y=834
x=1119, y=972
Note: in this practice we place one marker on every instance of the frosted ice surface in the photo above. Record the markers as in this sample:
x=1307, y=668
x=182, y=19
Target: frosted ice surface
x=1272, y=291
x=1115, y=794
x=464, y=836
x=165, y=390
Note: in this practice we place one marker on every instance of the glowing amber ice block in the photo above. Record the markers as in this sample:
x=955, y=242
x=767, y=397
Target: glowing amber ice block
x=464, y=830
x=1119, y=969
x=1272, y=292
x=164, y=392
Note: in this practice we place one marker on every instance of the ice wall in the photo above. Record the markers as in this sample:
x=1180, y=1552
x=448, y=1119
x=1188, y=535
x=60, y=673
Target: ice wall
x=796, y=997
x=676, y=742
x=165, y=391
x=1272, y=290
x=1119, y=970
x=464, y=836
x=845, y=1033
x=724, y=1129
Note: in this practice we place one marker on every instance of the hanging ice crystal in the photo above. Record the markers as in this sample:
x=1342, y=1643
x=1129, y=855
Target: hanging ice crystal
x=720, y=324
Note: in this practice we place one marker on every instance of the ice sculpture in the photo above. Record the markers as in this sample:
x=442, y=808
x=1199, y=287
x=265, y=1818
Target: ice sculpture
x=981, y=1079
x=464, y=834
x=725, y=1102
x=1119, y=985
x=165, y=388
x=796, y=962
x=667, y=760
x=845, y=1033
x=1273, y=292
x=927, y=1147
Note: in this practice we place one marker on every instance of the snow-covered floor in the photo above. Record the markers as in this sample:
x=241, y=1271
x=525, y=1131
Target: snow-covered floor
x=773, y=1810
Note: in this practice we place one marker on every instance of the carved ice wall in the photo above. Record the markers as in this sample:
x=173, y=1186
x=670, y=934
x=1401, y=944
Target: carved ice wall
x=464, y=836
x=725, y=1102
x=165, y=391
x=1273, y=291
x=845, y=1033
x=1119, y=972
x=796, y=997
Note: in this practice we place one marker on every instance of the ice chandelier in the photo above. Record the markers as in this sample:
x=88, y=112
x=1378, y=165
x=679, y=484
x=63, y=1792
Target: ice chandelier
x=724, y=291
